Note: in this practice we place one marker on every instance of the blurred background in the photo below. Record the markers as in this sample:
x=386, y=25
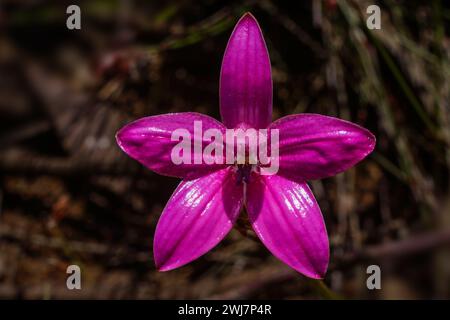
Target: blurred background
x=68, y=195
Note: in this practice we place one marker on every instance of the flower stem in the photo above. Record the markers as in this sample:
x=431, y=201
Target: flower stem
x=322, y=290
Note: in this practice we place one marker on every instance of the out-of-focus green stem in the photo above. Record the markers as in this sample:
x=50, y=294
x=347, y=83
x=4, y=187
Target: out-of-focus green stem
x=322, y=290
x=389, y=166
x=403, y=84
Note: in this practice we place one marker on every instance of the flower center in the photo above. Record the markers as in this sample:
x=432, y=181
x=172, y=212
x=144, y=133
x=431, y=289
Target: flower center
x=243, y=173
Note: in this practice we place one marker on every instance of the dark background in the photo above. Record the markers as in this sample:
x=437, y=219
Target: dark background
x=68, y=195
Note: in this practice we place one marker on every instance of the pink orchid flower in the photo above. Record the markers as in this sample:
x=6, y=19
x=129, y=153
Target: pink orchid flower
x=281, y=207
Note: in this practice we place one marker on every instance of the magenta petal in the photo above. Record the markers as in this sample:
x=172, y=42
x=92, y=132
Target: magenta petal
x=313, y=146
x=197, y=217
x=287, y=219
x=148, y=140
x=246, y=80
